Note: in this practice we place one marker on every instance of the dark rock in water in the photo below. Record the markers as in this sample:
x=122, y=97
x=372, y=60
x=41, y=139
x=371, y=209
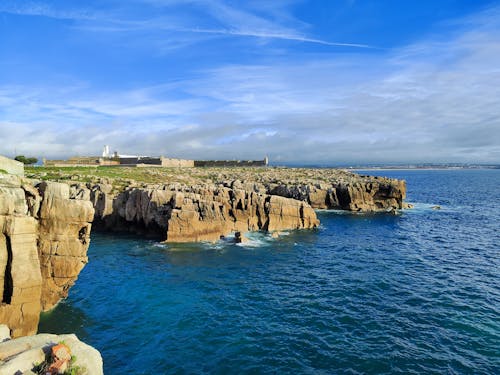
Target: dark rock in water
x=238, y=237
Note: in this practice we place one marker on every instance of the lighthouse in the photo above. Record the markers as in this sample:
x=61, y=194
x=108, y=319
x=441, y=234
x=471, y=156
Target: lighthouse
x=105, y=152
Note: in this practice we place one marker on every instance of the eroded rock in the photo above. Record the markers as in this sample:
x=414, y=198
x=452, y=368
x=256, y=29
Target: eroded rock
x=44, y=237
x=26, y=354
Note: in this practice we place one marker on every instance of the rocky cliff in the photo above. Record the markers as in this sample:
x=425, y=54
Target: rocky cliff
x=234, y=200
x=178, y=213
x=44, y=237
x=363, y=193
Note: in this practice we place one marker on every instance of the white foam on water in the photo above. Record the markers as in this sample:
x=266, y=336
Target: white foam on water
x=161, y=245
x=426, y=207
x=255, y=239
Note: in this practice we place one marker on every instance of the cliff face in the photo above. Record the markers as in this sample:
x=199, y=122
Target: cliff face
x=199, y=213
x=367, y=194
x=63, y=240
x=272, y=200
x=44, y=237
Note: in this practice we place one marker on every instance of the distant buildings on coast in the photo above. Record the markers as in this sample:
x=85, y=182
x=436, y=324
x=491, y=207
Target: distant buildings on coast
x=116, y=159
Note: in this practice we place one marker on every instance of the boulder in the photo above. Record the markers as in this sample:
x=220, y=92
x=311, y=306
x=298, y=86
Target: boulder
x=21, y=355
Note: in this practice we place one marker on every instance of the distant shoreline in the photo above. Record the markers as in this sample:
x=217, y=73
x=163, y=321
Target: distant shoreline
x=391, y=168
x=420, y=168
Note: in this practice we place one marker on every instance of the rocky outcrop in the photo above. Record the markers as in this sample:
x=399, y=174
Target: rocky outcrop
x=269, y=200
x=367, y=194
x=63, y=240
x=28, y=355
x=199, y=213
x=44, y=237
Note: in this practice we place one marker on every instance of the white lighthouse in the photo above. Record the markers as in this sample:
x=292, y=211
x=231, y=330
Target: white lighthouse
x=105, y=152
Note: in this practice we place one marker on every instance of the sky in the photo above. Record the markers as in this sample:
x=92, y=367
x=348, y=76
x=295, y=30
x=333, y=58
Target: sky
x=307, y=82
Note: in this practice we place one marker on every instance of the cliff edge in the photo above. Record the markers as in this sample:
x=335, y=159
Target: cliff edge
x=44, y=237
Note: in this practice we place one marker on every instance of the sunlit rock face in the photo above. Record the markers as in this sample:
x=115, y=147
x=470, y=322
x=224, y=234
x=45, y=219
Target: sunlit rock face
x=44, y=237
x=200, y=213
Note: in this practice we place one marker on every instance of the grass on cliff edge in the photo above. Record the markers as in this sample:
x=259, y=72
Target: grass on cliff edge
x=142, y=175
x=122, y=177
x=93, y=174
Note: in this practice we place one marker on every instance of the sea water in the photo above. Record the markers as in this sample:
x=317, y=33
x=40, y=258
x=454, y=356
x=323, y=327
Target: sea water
x=415, y=293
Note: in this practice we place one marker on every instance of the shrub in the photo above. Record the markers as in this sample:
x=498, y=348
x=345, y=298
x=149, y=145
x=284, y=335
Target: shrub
x=23, y=159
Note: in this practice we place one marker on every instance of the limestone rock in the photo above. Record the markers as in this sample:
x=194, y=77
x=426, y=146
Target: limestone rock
x=44, y=236
x=22, y=362
x=64, y=237
x=22, y=354
x=4, y=333
x=86, y=356
x=199, y=213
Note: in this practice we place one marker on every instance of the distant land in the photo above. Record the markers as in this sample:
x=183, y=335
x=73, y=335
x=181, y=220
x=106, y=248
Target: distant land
x=396, y=166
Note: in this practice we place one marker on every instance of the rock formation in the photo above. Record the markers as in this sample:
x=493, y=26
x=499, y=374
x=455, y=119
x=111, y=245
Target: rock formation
x=367, y=194
x=44, y=237
x=200, y=210
x=28, y=354
x=198, y=213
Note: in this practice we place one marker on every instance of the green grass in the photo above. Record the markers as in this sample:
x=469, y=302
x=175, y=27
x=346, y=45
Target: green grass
x=122, y=177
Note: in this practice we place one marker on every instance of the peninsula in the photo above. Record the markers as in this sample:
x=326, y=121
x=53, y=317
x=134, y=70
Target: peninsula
x=47, y=214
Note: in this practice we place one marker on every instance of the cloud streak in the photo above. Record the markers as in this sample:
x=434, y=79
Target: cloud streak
x=235, y=22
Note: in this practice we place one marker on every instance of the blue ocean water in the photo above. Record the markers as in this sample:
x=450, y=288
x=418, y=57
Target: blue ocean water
x=364, y=294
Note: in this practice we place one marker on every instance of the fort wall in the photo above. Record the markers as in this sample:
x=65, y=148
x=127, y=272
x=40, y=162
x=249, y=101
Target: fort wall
x=231, y=163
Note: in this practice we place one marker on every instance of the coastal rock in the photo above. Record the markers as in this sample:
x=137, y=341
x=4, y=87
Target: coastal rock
x=45, y=226
x=44, y=236
x=199, y=213
x=367, y=195
x=64, y=237
x=4, y=333
x=21, y=355
x=20, y=277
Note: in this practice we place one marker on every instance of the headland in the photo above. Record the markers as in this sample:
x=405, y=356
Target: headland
x=46, y=216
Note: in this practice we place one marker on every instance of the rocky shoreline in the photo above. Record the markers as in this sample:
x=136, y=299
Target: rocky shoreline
x=179, y=205
x=46, y=217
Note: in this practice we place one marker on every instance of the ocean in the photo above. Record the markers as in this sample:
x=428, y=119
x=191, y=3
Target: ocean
x=415, y=293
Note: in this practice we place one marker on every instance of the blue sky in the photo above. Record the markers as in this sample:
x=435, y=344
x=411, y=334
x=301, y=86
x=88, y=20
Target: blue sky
x=318, y=81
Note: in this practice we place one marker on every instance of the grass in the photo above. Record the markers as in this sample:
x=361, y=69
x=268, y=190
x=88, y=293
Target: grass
x=122, y=177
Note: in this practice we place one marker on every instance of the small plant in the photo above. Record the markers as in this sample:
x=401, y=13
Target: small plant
x=74, y=369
